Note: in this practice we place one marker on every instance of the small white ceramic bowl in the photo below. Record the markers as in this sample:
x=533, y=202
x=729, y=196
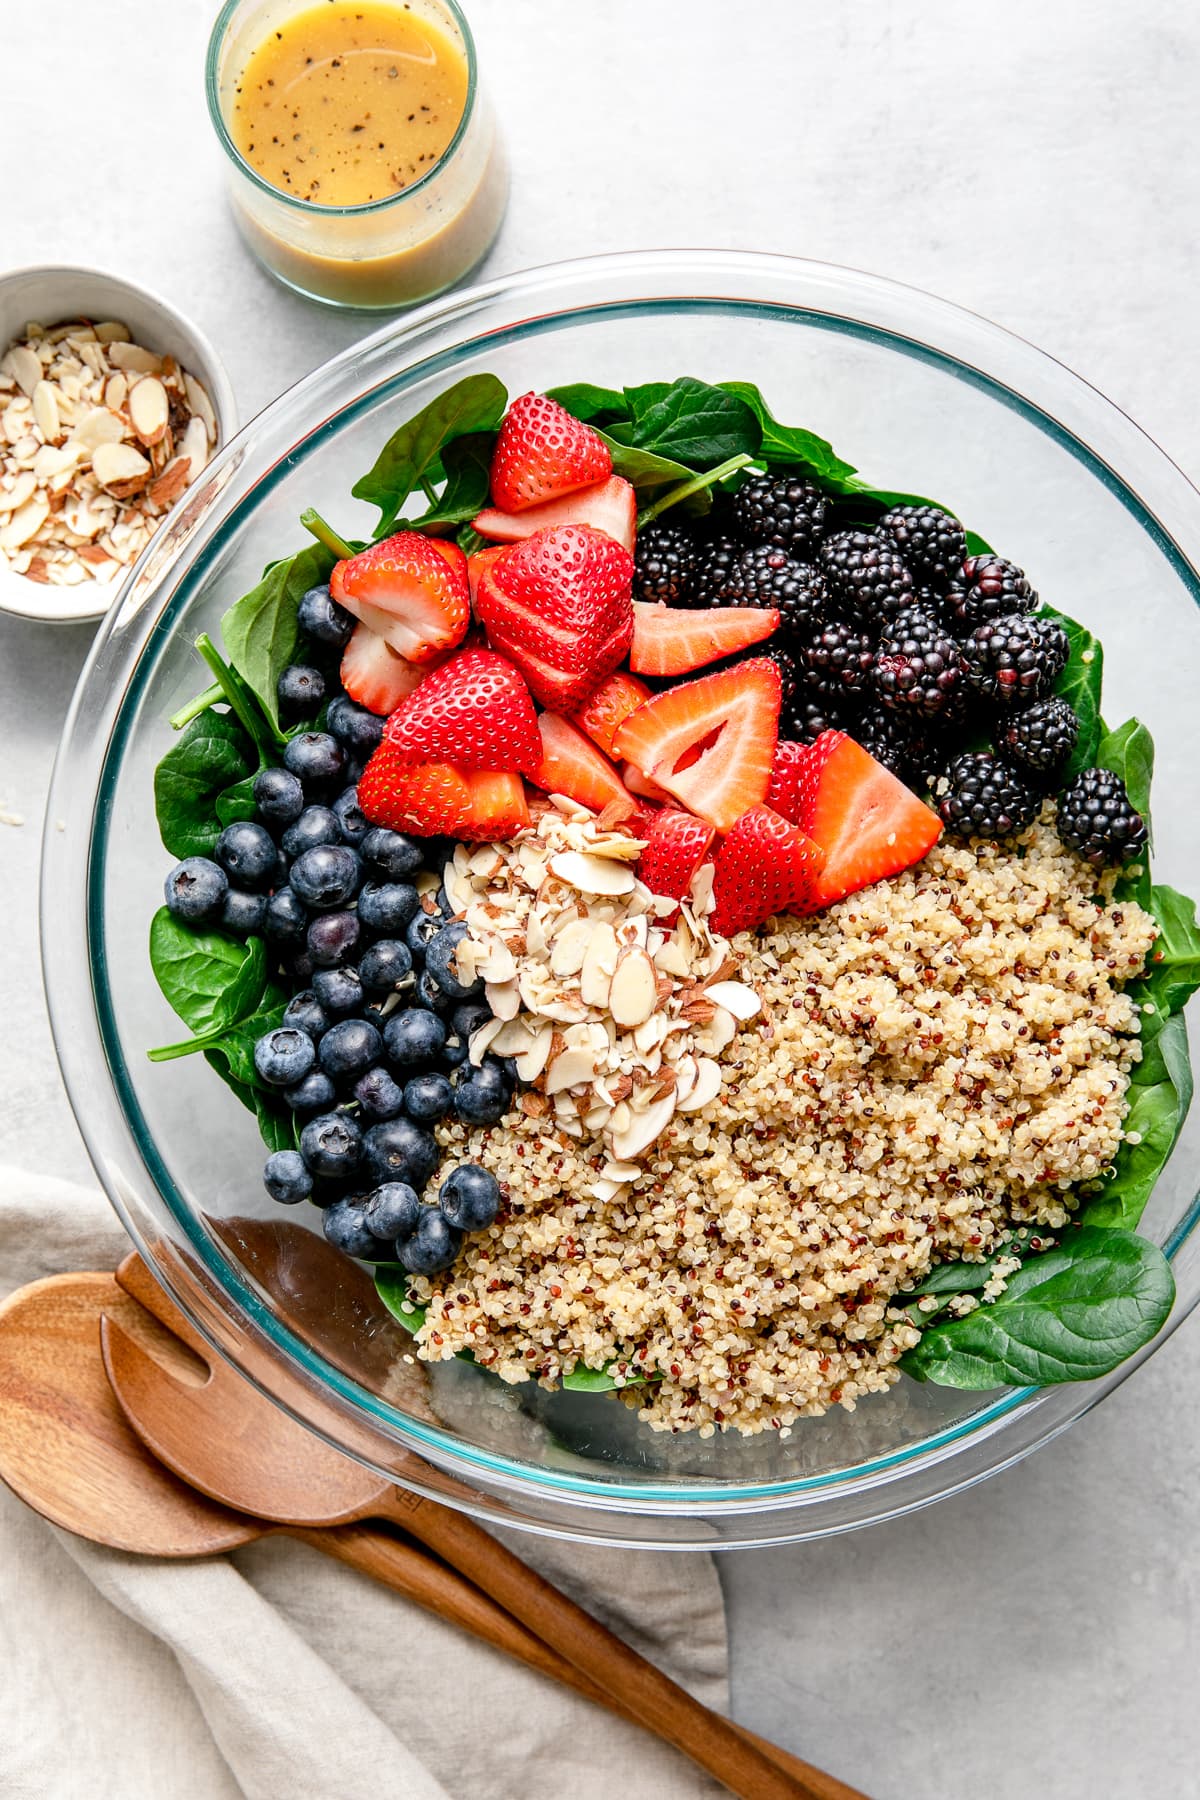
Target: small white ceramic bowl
x=53, y=295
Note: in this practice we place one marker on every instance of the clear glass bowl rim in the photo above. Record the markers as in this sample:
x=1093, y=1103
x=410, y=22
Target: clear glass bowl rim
x=1017, y=374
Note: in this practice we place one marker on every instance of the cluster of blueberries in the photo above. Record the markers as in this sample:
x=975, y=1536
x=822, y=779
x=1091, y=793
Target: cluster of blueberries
x=373, y=1047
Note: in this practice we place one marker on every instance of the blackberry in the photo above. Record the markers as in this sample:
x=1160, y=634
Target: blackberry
x=665, y=564
x=980, y=795
x=780, y=509
x=932, y=542
x=766, y=576
x=810, y=714
x=1097, y=819
x=1015, y=660
x=838, y=660
x=1042, y=737
x=867, y=573
x=991, y=588
x=714, y=561
x=891, y=740
x=918, y=666
x=785, y=662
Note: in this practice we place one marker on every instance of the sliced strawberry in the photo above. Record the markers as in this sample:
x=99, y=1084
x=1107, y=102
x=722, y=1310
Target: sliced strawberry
x=867, y=822
x=612, y=702
x=609, y=506
x=766, y=865
x=787, y=779
x=667, y=640
x=640, y=784
x=476, y=564
x=560, y=606
x=410, y=588
x=677, y=844
x=374, y=675
x=542, y=452
x=572, y=765
x=474, y=711
x=709, y=742
x=439, y=800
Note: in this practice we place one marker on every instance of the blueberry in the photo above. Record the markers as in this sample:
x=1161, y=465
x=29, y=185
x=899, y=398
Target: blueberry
x=391, y=853
x=338, y=990
x=279, y=796
x=439, y=962
x=398, y=1150
x=433, y=1245
x=284, y=1056
x=468, y=1017
x=428, y=1098
x=306, y=1013
x=454, y=1051
x=246, y=852
x=327, y=877
x=314, y=756
x=353, y=773
x=331, y=1144
x=332, y=939
x=348, y=1048
x=393, y=1210
x=351, y=818
x=316, y=825
x=285, y=920
x=300, y=691
x=469, y=1197
x=346, y=1229
x=243, y=913
x=481, y=1095
x=385, y=964
x=423, y=929
x=353, y=726
x=286, y=1178
x=299, y=965
x=428, y=994
x=195, y=890
x=379, y=1095
x=281, y=871
x=388, y=906
x=316, y=1093
x=414, y=1036
x=321, y=618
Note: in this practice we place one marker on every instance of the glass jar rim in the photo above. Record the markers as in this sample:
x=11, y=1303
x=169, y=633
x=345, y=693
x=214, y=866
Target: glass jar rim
x=315, y=208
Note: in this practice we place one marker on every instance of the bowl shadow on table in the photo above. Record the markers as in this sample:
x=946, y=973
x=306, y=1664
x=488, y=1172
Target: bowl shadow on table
x=330, y=1303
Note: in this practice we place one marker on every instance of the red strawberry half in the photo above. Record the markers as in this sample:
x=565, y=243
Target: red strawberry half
x=640, y=784
x=709, y=742
x=559, y=605
x=609, y=506
x=437, y=799
x=474, y=711
x=374, y=675
x=765, y=866
x=677, y=844
x=570, y=764
x=542, y=452
x=476, y=564
x=788, y=786
x=866, y=821
x=411, y=589
x=667, y=640
x=612, y=702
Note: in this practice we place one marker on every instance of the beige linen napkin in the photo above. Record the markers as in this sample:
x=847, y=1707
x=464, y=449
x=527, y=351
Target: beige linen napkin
x=276, y=1673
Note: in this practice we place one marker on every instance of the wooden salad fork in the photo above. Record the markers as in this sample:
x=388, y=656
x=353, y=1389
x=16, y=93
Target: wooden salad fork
x=242, y=1451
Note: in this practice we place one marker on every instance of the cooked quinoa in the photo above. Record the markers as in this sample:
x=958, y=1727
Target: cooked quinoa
x=940, y=1057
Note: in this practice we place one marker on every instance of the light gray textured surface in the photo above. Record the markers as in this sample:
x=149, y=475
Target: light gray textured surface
x=1036, y=162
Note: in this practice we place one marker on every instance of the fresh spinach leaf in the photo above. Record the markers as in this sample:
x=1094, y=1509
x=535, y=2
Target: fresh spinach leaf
x=466, y=464
x=792, y=444
x=277, y=1123
x=1173, y=973
x=213, y=755
x=690, y=422
x=590, y=403
x=237, y=802
x=211, y=981
x=413, y=453
x=945, y=1280
x=391, y=1284
x=260, y=629
x=1129, y=752
x=1080, y=684
x=1070, y=1314
x=642, y=469
x=582, y=1380
x=1160, y=1093
x=235, y=1046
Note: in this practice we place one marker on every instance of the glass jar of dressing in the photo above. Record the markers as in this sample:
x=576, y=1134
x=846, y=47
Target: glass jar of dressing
x=365, y=168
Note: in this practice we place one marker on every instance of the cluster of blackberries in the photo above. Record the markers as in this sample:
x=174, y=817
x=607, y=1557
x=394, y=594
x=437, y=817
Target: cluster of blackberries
x=372, y=1049
x=893, y=633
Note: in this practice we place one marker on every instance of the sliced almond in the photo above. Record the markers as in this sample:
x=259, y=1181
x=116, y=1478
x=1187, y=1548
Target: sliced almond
x=149, y=409
x=735, y=997
x=20, y=491
x=45, y=412
x=99, y=426
x=531, y=1062
x=124, y=355
x=111, y=331
x=704, y=1089
x=166, y=490
x=24, y=523
x=570, y=1068
x=570, y=945
x=120, y=469
x=592, y=874
x=504, y=998
x=633, y=992
x=24, y=365
x=644, y=1128
x=599, y=966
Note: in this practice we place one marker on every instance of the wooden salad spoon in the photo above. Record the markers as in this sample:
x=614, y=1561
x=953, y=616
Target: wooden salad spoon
x=67, y=1450
x=242, y=1451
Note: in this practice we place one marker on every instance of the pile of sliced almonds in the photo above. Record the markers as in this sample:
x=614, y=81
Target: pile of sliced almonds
x=614, y=1014
x=98, y=437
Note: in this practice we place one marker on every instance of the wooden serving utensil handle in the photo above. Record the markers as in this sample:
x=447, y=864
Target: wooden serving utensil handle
x=443, y=1591
x=642, y=1691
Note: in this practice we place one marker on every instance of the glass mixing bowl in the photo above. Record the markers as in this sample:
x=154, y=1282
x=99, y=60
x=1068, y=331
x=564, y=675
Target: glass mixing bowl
x=924, y=398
